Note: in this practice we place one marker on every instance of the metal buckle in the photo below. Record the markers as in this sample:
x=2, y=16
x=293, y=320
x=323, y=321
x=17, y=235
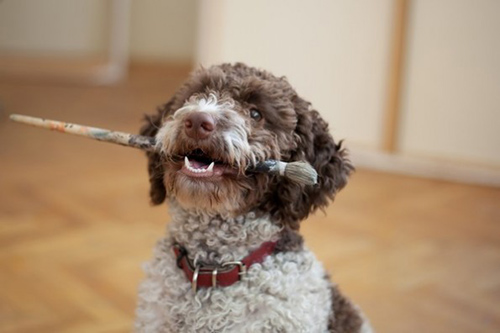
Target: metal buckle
x=194, y=283
x=214, y=277
x=240, y=264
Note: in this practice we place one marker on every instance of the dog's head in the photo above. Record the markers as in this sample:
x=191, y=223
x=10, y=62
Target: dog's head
x=225, y=119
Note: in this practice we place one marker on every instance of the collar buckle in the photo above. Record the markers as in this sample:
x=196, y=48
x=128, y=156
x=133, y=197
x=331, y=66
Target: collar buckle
x=242, y=270
x=241, y=266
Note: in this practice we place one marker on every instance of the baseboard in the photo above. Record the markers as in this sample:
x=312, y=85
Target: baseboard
x=426, y=167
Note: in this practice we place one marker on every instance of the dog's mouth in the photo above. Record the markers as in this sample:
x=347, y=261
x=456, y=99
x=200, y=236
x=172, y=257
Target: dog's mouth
x=200, y=165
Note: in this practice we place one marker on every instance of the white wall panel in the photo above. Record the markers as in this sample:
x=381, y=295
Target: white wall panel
x=451, y=104
x=53, y=26
x=334, y=52
x=163, y=30
x=160, y=30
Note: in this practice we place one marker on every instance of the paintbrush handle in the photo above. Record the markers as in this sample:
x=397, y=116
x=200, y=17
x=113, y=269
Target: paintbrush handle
x=299, y=172
x=121, y=138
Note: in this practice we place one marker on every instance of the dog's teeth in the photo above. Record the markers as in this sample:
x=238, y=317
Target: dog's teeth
x=197, y=170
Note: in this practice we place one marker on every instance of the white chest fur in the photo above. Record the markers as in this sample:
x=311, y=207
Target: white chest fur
x=288, y=292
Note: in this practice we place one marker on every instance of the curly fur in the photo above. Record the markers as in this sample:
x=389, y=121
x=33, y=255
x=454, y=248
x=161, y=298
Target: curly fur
x=283, y=294
x=225, y=219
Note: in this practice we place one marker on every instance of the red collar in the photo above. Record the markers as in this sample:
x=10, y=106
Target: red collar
x=224, y=275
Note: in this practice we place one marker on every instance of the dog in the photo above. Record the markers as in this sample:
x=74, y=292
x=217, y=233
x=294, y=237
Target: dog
x=233, y=260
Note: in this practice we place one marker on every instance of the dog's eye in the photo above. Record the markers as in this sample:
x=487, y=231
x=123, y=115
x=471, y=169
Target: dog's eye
x=255, y=114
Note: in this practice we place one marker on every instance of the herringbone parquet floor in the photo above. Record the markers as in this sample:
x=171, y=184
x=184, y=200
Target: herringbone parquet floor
x=75, y=224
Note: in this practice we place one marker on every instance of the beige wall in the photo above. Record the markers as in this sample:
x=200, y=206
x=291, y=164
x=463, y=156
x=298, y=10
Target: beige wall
x=163, y=30
x=53, y=27
x=451, y=105
x=334, y=53
x=160, y=30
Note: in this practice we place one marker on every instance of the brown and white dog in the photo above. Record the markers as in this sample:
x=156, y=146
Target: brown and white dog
x=233, y=260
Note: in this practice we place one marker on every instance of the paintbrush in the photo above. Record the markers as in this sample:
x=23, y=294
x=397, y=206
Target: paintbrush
x=298, y=172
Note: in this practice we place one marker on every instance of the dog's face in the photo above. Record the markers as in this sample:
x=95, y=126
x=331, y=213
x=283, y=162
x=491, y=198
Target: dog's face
x=226, y=119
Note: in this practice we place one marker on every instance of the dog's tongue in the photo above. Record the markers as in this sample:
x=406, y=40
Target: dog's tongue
x=197, y=164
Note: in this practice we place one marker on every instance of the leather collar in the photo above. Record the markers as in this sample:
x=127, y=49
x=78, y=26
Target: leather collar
x=224, y=275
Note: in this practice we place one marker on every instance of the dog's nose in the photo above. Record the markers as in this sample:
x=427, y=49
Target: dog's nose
x=199, y=125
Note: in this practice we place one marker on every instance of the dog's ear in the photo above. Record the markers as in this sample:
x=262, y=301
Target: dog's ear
x=157, y=190
x=315, y=145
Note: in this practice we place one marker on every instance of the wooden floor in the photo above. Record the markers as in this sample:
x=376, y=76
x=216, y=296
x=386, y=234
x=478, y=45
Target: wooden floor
x=75, y=224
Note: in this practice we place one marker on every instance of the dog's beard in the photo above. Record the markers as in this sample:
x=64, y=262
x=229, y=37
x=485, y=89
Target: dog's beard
x=224, y=194
x=205, y=176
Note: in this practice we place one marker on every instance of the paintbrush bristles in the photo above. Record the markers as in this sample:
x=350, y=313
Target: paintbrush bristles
x=301, y=173
x=298, y=172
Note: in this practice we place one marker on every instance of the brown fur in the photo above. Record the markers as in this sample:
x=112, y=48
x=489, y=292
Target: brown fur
x=344, y=318
x=157, y=191
x=290, y=240
x=289, y=131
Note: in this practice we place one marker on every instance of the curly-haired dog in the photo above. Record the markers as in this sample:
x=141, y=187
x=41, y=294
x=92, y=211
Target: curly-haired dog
x=233, y=260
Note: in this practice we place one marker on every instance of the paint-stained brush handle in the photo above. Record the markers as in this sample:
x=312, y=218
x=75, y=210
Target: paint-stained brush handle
x=121, y=138
x=299, y=172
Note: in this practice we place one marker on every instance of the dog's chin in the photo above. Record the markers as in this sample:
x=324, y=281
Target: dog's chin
x=220, y=190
